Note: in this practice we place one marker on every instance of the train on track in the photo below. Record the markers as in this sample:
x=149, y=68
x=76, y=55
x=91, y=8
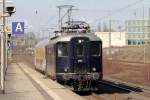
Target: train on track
x=74, y=58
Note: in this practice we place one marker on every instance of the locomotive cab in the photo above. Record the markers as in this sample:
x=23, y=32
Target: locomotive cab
x=75, y=60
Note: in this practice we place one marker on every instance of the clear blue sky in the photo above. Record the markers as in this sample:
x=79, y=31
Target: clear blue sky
x=93, y=11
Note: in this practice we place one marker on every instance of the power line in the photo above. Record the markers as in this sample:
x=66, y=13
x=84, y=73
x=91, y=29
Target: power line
x=56, y=15
x=119, y=10
x=128, y=6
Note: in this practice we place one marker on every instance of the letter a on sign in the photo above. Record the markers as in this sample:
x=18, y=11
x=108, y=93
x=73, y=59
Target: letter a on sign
x=18, y=27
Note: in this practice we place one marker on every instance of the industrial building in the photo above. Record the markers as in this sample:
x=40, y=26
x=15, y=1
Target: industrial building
x=138, y=31
x=116, y=39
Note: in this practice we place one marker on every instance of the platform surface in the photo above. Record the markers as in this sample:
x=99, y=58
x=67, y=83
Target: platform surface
x=24, y=83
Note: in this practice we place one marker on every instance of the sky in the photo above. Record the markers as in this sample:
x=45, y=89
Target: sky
x=41, y=14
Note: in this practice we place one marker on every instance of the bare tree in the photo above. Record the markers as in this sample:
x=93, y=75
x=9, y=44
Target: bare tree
x=99, y=27
x=105, y=28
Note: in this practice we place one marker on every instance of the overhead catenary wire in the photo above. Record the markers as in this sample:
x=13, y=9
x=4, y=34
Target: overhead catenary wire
x=119, y=10
x=56, y=15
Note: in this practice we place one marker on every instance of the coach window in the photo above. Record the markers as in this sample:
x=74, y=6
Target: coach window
x=62, y=49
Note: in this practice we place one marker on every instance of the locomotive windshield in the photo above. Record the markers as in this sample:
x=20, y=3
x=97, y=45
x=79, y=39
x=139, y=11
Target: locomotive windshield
x=79, y=50
x=95, y=48
x=62, y=49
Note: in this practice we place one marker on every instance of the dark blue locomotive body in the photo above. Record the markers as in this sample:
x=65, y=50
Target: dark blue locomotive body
x=75, y=60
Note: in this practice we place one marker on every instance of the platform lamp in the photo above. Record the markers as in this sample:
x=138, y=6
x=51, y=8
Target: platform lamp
x=7, y=12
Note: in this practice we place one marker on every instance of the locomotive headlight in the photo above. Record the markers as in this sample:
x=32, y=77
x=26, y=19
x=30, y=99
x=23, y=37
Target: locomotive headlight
x=65, y=69
x=93, y=69
x=96, y=76
x=79, y=41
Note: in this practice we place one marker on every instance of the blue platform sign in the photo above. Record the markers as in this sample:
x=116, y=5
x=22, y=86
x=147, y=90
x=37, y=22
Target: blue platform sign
x=17, y=27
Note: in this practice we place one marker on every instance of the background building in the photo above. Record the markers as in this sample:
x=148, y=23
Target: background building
x=138, y=31
x=118, y=39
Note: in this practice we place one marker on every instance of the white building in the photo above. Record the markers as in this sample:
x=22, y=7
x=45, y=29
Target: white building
x=118, y=39
x=138, y=31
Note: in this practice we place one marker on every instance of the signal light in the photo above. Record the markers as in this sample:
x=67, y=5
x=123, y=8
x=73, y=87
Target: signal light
x=9, y=36
x=8, y=43
x=8, y=39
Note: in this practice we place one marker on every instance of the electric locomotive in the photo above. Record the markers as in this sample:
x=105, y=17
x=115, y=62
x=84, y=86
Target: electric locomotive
x=74, y=59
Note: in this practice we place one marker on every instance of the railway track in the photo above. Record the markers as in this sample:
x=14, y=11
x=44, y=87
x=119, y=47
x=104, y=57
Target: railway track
x=133, y=91
x=129, y=84
x=121, y=86
x=128, y=92
x=126, y=61
x=99, y=97
x=94, y=96
x=144, y=93
x=117, y=96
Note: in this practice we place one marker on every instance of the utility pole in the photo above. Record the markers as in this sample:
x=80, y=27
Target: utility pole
x=3, y=57
x=110, y=56
x=144, y=41
x=143, y=28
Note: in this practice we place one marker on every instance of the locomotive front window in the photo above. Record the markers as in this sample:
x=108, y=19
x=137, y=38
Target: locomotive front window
x=62, y=49
x=95, y=48
x=79, y=50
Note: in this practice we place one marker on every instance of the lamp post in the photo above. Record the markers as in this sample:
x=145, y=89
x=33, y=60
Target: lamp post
x=3, y=37
x=110, y=55
x=6, y=10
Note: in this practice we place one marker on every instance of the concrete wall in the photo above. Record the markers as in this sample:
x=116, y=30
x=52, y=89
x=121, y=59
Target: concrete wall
x=117, y=38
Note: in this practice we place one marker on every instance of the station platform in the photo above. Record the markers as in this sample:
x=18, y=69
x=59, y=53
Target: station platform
x=24, y=83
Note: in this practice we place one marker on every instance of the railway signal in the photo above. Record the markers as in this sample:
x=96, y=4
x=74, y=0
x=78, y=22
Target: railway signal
x=9, y=36
x=8, y=40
